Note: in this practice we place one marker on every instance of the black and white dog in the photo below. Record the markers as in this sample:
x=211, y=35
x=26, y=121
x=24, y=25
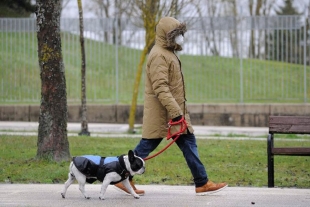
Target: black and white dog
x=108, y=170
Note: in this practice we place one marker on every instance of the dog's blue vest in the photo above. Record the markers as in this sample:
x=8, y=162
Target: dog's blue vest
x=96, y=167
x=96, y=159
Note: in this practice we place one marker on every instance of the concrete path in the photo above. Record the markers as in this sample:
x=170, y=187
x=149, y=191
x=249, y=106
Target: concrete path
x=45, y=195
x=97, y=129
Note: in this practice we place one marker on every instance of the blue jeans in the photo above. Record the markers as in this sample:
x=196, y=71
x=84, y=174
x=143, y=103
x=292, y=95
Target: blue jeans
x=187, y=144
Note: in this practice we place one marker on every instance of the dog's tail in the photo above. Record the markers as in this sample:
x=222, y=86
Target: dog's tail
x=70, y=169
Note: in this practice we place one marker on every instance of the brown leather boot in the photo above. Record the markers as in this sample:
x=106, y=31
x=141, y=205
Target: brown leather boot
x=119, y=186
x=210, y=187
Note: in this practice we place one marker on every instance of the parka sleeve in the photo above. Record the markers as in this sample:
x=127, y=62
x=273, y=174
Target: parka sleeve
x=159, y=76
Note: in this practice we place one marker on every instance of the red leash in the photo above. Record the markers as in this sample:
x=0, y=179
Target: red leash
x=174, y=136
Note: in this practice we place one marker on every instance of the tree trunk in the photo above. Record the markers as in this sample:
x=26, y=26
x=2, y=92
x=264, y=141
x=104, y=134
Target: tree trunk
x=133, y=107
x=84, y=124
x=149, y=13
x=52, y=133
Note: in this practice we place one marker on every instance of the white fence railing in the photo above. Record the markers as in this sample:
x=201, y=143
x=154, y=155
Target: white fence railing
x=225, y=59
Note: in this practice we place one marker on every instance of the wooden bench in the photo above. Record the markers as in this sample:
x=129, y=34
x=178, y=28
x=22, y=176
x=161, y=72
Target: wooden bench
x=285, y=125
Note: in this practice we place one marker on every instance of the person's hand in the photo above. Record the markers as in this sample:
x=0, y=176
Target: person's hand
x=178, y=118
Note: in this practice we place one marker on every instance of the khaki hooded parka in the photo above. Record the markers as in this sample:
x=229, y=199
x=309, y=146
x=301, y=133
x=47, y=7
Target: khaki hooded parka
x=164, y=95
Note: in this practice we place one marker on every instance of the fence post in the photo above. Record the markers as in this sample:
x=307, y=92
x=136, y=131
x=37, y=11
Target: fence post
x=305, y=62
x=241, y=62
x=116, y=62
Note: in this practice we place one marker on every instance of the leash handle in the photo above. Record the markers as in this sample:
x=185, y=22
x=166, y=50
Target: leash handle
x=174, y=136
x=182, y=129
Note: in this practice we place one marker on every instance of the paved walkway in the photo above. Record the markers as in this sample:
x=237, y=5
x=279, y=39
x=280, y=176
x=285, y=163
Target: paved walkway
x=45, y=195
x=98, y=129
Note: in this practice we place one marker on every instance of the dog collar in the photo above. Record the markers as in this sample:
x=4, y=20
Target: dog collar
x=125, y=173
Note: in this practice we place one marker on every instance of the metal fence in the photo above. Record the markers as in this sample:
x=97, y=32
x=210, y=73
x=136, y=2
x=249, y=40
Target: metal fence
x=225, y=59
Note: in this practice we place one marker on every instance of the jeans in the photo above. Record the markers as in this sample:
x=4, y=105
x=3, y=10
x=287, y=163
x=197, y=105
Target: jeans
x=187, y=144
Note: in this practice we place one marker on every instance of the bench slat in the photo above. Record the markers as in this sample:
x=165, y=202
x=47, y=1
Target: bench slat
x=291, y=151
x=289, y=124
x=289, y=129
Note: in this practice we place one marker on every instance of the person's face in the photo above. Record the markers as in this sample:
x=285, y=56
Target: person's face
x=179, y=39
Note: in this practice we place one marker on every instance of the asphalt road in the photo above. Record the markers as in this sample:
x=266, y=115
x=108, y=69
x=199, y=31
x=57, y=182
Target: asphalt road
x=45, y=195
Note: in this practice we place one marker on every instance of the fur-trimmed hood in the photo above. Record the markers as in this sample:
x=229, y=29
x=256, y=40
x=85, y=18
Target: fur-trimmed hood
x=166, y=31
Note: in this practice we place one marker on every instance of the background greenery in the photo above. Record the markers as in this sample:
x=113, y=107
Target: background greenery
x=208, y=78
x=237, y=162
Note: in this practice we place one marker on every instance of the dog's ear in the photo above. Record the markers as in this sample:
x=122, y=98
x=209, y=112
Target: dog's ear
x=131, y=156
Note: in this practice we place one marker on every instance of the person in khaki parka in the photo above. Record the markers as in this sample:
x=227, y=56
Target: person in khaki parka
x=164, y=99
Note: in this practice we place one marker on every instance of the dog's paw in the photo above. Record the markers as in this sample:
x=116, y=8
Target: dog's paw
x=63, y=195
x=101, y=198
x=136, y=196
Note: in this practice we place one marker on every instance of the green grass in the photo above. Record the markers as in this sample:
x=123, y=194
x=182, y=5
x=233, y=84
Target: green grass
x=208, y=79
x=237, y=162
